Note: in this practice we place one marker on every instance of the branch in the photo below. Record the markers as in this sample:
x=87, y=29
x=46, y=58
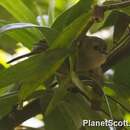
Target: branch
x=16, y=117
x=122, y=4
x=98, y=13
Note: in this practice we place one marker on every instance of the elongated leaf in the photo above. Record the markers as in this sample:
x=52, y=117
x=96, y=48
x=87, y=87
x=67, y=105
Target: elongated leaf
x=24, y=35
x=59, y=94
x=70, y=112
x=6, y=104
x=9, y=40
x=16, y=26
x=7, y=44
x=83, y=6
x=22, y=13
x=70, y=33
x=51, y=11
x=79, y=109
x=49, y=34
x=36, y=69
x=19, y=10
x=122, y=77
x=59, y=119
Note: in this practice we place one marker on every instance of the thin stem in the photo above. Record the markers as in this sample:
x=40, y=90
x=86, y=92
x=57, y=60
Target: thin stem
x=116, y=55
x=116, y=5
x=108, y=105
x=119, y=104
x=104, y=8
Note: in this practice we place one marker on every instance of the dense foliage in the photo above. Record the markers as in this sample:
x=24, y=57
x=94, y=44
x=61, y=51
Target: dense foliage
x=36, y=80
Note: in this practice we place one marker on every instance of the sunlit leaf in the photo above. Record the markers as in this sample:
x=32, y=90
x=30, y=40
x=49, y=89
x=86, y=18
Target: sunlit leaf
x=71, y=14
x=48, y=33
x=19, y=10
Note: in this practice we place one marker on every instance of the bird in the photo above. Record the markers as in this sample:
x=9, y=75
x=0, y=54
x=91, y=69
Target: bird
x=91, y=55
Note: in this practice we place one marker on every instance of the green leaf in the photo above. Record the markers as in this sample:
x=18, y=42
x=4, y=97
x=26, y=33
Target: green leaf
x=13, y=26
x=59, y=119
x=71, y=14
x=126, y=10
x=49, y=33
x=80, y=85
x=59, y=94
x=122, y=77
x=7, y=44
x=62, y=5
x=80, y=110
x=23, y=36
x=19, y=10
x=51, y=11
x=22, y=13
x=6, y=104
x=70, y=112
x=70, y=33
x=36, y=69
x=9, y=39
x=45, y=99
x=36, y=63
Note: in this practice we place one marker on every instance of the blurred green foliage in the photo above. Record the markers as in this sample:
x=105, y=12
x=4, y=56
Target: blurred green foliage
x=60, y=23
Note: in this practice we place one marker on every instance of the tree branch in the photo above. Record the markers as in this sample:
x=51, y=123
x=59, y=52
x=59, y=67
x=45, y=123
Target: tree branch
x=98, y=13
x=122, y=4
x=16, y=117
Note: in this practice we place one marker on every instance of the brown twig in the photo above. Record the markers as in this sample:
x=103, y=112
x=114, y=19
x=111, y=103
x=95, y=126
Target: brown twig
x=17, y=117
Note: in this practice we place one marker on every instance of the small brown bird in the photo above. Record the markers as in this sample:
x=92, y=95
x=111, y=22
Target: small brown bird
x=92, y=53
